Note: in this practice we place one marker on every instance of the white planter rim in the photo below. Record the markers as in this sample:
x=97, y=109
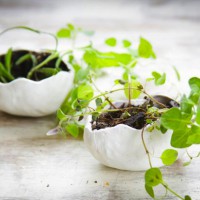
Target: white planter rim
x=22, y=79
x=97, y=131
x=136, y=102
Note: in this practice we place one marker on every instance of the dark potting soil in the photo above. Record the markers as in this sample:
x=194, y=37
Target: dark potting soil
x=130, y=115
x=23, y=69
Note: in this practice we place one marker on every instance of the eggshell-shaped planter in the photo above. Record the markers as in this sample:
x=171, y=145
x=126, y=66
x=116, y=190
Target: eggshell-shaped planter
x=121, y=146
x=26, y=97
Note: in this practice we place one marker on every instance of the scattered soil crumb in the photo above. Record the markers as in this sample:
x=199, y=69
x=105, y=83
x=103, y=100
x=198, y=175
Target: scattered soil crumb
x=106, y=184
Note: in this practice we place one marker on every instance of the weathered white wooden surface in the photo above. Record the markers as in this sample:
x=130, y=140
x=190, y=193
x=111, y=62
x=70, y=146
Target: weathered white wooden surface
x=34, y=166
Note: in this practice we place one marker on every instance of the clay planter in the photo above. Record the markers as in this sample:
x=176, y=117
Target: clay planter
x=37, y=97
x=121, y=146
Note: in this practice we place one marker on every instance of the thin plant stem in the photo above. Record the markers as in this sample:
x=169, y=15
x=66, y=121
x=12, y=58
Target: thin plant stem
x=149, y=159
x=32, y=30
x=172, y=191
x=106, y=98
x=120, y=89
x=153, y=99
x=145, y=147
x=129, y=89
x=188, y=154
x=111, y=91
x=111, y=104
x=48, y=59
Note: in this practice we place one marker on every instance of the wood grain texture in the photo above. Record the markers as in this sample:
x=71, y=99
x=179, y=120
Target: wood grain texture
x=34, y=166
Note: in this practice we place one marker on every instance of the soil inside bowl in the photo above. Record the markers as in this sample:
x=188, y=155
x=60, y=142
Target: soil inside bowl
x=134, y=116
x=22, y=70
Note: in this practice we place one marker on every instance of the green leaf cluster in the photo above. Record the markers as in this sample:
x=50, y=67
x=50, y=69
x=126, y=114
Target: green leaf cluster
x=97, y=59
x=185, y=121
x=159, y=78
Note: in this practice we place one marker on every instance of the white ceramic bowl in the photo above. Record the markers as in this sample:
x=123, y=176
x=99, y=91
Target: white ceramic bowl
x=25, y=97
x=121, y=146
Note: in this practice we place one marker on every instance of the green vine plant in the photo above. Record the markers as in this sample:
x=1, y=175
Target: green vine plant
x=185, y=125
x=94, y=61
x=183, y=119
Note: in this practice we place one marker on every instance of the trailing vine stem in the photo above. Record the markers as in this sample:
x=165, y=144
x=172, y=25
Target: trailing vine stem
x=191, y=157
x=151, y=166
x=106, y=98
x=153, y=99
x=129, y=89
x=145, y=147
x=172, y=191
x=32, y=30
x=120, y=89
